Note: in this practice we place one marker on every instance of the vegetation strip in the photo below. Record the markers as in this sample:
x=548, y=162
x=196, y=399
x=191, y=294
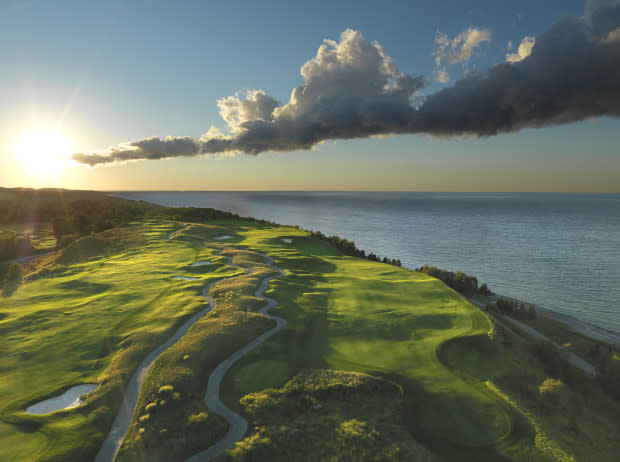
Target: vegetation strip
x=238, y=425
x=121, y=424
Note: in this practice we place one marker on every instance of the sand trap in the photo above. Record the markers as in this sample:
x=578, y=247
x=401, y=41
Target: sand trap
x=225, y=236
x=287, y=240
x=68, y=400
x=184, y=278
x=201, y=263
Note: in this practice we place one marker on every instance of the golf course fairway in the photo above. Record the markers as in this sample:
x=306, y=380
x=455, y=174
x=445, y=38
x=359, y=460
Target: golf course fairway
x=93, y=311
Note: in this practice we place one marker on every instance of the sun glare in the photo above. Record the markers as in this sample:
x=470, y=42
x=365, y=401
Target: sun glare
x=43, y=153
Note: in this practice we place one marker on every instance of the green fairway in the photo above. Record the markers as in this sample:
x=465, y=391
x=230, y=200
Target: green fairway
x=351, y=314
x=92, y=312
x=91, y=317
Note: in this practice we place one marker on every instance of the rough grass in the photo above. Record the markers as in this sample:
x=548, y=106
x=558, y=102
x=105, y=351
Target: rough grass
x=91, y=316
x=445, y=377
x=182, y=425
x=327, y=416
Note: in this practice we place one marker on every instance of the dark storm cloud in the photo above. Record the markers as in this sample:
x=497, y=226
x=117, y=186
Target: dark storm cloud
x=352, y=89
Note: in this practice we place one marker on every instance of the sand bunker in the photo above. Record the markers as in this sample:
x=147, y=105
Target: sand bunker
x=201, y=263
x=287, y=240
x=225, y=236
x=68, y=400
x=185, y=278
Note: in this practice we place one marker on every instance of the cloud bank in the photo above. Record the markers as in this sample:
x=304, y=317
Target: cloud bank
x=353, y=89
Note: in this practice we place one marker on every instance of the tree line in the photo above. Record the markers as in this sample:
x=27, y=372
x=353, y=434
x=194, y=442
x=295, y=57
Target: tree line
x=459, y=281
x=348, y=248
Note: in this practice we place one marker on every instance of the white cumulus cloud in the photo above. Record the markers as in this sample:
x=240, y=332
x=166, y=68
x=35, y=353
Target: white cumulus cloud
x=524, y=50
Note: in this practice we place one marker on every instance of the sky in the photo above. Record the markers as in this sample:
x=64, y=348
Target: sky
x=403, y=96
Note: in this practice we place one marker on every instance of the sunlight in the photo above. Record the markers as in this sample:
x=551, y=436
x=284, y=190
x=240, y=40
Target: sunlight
x=43, y=153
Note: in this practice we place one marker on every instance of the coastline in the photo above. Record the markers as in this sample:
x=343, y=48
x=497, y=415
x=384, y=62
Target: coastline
x=574, y=324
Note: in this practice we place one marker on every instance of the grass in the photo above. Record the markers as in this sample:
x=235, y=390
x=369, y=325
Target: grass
x=182, y=425
x=428, y=374
x=91, y=316
x=351, y=314
x=327, y=416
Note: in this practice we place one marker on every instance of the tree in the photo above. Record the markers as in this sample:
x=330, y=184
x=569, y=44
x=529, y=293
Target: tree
x=484, y=290
x=15, y=273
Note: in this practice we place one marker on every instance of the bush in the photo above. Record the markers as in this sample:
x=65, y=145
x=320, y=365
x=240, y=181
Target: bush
x=15, y=273
x=484, y=290
x=197, y=418
x=166, y=389
x=550, y=386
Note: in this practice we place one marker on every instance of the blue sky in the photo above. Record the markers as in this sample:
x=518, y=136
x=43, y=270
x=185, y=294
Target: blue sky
x=104, y=73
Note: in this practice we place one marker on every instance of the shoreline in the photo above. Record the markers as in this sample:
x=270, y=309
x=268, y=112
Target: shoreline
x=574, y=324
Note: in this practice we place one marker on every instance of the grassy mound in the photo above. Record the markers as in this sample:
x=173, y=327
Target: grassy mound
x=327, y=416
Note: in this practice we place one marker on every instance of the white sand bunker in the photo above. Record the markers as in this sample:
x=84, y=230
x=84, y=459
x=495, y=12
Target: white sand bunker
x=225, y=236
x=202, y=263
x=68, y=400
x=287, y=240
x=184, y=278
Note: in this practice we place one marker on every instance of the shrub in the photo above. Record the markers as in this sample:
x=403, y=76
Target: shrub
x=15, y=273
x=145, y=417
x=484, y=290
x=550, y=386
x=197, y=418
x=166, y=389
x=149, y=407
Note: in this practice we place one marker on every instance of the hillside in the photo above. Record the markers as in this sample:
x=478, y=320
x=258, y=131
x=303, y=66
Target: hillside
x=376, y=362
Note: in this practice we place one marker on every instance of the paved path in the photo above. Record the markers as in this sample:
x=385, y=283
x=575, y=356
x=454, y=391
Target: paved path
x=238, y=426
x=575, y=360
x=27, y=258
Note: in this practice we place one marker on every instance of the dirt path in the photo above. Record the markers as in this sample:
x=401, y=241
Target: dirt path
x=237, y=424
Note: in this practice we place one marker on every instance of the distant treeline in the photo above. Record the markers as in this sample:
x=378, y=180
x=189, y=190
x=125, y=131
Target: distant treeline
x=459, y=281
x=13, y=245
x=84, y=217
x=348, y=248
x=74, y=214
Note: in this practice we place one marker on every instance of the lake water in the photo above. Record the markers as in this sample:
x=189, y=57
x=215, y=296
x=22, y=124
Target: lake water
x=560, y=251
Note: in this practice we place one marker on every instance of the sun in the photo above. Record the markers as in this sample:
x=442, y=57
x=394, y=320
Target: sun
x=43, y=153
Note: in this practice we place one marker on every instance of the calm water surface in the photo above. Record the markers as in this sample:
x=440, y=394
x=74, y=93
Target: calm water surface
x=561, y=251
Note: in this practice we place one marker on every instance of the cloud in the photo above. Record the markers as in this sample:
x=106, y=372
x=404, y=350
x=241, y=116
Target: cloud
x=442, y=76
x=571, y=74
x=524, y=50
x=457, y=50
x=593, y=6
x=461, y=47
x=353, y=89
